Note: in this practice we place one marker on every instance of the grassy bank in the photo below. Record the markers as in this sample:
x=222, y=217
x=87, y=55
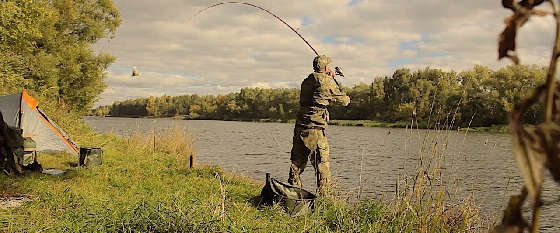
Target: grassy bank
x=147, y=187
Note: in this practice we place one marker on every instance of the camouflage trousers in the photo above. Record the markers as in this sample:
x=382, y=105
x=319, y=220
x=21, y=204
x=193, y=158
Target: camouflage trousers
x=310, y=145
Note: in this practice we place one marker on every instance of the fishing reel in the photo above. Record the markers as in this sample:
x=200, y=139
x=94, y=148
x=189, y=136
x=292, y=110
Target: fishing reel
x=338, y=71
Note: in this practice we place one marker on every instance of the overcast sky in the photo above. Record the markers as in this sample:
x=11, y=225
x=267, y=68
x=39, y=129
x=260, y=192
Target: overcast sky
x=234, y=46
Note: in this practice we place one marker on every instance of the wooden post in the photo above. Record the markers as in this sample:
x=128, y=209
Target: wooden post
x=154, y=136
x=191, y=161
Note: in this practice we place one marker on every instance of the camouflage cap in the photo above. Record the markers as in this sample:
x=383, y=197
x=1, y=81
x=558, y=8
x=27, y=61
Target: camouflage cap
x=320, y=62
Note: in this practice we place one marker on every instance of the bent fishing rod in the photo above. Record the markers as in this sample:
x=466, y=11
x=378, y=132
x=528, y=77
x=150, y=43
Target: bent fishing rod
x=338, y=70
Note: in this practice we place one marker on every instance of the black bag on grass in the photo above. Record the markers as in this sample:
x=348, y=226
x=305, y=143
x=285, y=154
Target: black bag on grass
x=90, y=156
x=294, y=200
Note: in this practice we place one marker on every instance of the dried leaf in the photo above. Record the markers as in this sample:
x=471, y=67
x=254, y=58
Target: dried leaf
x=507, y=38
x=551, y=139
x=507, y=41
x=544, y=139
x=531, y=159
x=507, y=229
x=553, y=158
x=553, y=166
x=513, y=221
x=507, y=20
x=540, y=12
x=522, y=11
x=513, y=58
x=508, y=4
x=530, y=3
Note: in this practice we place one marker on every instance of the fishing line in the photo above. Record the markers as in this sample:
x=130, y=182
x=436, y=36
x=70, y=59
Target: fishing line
x=337, y=69
x=262, y=9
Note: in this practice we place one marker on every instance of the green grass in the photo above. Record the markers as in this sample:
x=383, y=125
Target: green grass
x=497, y=129
x=143, y=190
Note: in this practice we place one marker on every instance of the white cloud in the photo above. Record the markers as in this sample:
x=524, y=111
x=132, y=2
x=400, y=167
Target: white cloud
x=230, y=47
x=261, y=85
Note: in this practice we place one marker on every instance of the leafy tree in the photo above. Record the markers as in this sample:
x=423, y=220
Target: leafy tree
x=430, y=97
x=48, y=49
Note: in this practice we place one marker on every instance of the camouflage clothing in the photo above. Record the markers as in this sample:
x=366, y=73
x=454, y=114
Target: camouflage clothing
x=320, y=62
x=310, y=144
x=318, y=90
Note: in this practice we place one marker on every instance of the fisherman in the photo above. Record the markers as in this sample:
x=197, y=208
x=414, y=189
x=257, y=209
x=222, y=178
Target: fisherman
x=318, y=90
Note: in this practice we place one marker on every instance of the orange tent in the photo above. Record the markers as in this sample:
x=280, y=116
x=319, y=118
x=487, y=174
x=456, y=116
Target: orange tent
x=22, y=111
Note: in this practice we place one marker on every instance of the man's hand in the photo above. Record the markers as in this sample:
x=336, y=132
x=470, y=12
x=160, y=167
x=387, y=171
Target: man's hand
x=330, y=73
x=346, y=101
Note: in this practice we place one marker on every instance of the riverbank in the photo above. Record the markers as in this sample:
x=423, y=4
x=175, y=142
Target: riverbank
x=151, y=190
x=496, y=129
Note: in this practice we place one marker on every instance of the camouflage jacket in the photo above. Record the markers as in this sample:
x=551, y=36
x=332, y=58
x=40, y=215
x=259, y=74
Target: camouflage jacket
x=318, y=90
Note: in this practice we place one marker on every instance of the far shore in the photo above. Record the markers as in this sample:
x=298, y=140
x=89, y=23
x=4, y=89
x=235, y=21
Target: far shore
x=495, y=129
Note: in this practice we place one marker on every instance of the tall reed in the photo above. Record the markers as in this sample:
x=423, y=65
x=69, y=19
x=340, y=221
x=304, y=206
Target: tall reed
x=174, y=141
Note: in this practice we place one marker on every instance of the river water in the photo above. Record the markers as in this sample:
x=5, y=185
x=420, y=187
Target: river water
x=476, y=165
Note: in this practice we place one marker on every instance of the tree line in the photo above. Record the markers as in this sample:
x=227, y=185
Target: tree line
x=477, y=97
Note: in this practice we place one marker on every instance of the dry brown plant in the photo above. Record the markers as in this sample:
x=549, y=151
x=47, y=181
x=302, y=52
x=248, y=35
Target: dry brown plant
x=174, y=140
x=536, y=148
